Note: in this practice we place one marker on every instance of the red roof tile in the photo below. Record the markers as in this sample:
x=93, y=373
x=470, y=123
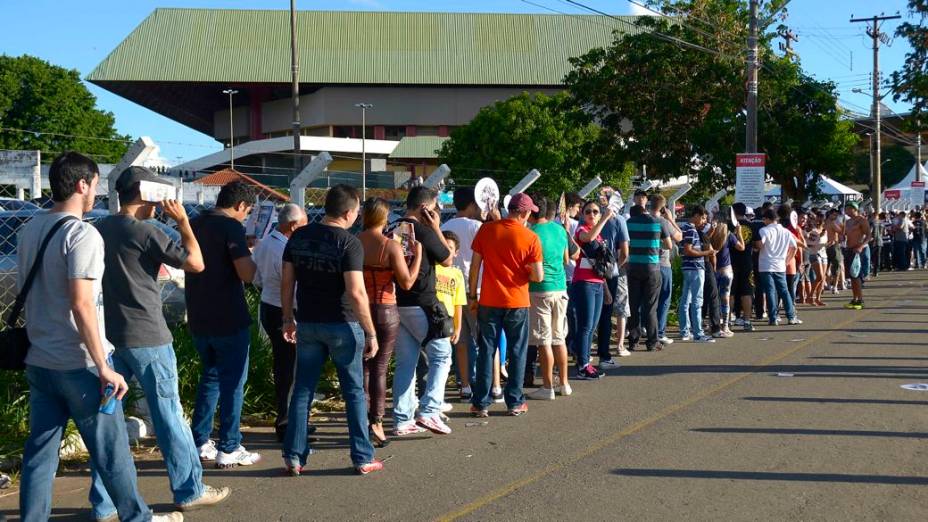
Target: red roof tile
x=225, y=176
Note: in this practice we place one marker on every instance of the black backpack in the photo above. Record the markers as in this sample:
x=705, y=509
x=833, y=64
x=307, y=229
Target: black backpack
x=601, y=257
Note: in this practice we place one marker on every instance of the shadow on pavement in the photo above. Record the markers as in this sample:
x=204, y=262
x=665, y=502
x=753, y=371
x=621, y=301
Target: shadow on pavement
x=870, y=358
x=766, y=475
x=803, y=431
x=835, y=401
x=817, y=369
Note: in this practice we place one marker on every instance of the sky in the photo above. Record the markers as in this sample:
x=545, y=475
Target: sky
x=80, y=34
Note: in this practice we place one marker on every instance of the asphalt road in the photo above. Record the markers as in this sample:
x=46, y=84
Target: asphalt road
x=697, y=432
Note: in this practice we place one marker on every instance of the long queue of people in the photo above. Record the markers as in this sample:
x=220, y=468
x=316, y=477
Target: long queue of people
x=498, y=297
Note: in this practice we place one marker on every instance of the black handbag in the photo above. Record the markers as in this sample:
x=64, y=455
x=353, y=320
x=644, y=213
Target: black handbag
x=441, y=324
x=14, y=341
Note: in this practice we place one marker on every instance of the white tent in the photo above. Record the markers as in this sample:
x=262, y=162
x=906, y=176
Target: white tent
x=906, y=182
x=828, y=187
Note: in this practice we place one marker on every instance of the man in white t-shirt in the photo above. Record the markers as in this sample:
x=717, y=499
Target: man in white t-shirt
x=775, y=245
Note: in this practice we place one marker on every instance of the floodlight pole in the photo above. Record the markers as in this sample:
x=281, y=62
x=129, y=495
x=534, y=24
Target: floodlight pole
x=364, y=107
x=231, y=92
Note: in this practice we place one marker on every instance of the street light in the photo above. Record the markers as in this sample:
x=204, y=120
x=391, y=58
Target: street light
x=364, y=107
x=231, y=92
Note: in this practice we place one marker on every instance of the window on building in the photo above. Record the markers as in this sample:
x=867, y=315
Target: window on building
x=394, y=132
x=351, y=131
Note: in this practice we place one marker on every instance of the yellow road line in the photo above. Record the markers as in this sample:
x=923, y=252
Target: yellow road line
x=640, y=425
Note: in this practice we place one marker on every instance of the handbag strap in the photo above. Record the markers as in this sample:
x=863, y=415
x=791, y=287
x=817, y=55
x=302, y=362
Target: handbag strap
x=33, y=272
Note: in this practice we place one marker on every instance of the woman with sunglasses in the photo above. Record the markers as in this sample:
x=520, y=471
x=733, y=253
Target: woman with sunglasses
x=588, y=286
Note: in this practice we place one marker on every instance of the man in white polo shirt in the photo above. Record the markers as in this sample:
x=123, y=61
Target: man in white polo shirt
x=776, y=245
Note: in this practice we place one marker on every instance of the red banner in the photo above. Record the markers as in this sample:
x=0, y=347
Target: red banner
x=750, y=160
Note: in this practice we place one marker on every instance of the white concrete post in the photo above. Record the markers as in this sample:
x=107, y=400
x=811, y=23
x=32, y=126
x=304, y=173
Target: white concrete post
x=306, y=176
x=137, y=154
x=525, y=182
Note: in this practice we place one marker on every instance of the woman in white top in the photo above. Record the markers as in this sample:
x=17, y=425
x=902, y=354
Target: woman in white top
x=814, y=234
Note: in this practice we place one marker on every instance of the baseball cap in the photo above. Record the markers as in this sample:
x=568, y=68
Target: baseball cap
x=522, y=202
x=852, y=204
x=129, y=179
x=749, y=212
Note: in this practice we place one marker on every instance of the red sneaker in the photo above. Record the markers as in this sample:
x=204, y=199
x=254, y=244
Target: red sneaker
x=370, y=467
x=518, y=410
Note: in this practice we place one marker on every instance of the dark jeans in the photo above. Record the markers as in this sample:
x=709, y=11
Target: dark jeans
x=710, y=300
x=387, y=324
x=876, y=259
x=571, y=318
x=644, y=287
x=493, y=322
x=901, y=254
x=284, y=354
x=54, y=397
x=225, y=370
x=887, y=257
x=588, y=299
x=316, y=342
x=604, y=327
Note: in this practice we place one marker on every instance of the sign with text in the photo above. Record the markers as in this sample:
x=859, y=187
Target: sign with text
x=749, y=179
x=917, y=193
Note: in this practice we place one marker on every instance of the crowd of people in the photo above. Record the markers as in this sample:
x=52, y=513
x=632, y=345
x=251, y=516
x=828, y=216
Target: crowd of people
x=503, y=298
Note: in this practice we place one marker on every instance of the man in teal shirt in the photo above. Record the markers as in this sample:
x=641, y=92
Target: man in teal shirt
x=548, y=312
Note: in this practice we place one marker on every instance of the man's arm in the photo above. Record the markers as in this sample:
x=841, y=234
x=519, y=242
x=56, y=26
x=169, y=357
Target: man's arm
x=622, y=251
x=245, y=268
x=473, y=279
x=432, y=220
x=357, y=296
x=536, y=272
x=194, y=262
x=287, y=283
x=84, y=309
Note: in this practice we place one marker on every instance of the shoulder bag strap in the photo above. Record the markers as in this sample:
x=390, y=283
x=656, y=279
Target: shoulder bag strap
x=33, y=272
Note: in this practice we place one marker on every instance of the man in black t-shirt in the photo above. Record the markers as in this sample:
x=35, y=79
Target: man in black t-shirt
x=219, y=322
x=419, y=308
x=135, y=325
x=325, y=262
x=742, y=264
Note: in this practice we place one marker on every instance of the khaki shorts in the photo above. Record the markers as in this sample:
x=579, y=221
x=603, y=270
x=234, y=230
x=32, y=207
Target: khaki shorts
x=548, y=318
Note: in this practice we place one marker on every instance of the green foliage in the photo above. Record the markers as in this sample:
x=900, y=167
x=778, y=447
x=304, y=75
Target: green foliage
x=529, y=131
x=678, y=110
x=38, y=96
x=910, y=83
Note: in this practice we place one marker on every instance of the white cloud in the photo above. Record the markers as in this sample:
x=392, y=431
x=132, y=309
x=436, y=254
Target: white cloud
x=637, y=10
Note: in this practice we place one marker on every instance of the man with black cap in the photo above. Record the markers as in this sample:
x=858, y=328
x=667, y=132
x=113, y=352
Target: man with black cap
x=135, y=251
x=511, y=256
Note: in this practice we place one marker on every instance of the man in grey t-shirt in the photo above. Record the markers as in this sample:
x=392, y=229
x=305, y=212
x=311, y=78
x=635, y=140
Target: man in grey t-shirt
x=669, y=227
x=67, y=366
x=135, y=324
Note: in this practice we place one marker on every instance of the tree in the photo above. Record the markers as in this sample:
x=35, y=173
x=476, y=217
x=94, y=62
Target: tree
x=910, y=83
x=896, y=159
x=678, y=109
x=529, y=131
x=38, y=96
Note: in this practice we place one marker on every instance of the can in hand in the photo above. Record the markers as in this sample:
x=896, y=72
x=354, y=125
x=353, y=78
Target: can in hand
x=109, y=400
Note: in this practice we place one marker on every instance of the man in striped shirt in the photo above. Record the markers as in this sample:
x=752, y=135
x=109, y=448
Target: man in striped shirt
x=645, y=236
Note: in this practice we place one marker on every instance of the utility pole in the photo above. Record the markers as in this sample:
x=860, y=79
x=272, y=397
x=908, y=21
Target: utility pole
x=918, y=156
x=294, y=78
x=364, y=107
x=873, y=31
x=750, y=138
x=231, y=92
x=787, y=46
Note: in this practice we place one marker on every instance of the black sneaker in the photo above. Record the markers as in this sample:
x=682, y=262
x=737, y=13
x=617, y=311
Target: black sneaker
x=588, y=373
x=657, y=347
x=748, y=327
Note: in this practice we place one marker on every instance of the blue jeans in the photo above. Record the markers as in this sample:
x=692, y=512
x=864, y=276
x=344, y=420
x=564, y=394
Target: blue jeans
x=414, y=328
x=225, y=370
x=690, y=310
x=865, y=262
x=663, y=300
x=920, y=251
x=588, y=299
x=156, y=370
x=774, y=286
x=724, y=277
x=55, y=396
x=493, y=322
x=344, y=343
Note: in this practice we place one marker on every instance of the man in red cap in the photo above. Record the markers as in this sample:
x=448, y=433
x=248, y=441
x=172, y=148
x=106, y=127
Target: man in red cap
x=510, y=255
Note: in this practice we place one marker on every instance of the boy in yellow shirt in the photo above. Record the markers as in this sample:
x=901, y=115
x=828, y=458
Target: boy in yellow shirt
x=449, y=285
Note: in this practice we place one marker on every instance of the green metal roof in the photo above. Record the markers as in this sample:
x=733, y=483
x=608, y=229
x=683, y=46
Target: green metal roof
x=224, y=45
x=418, y=147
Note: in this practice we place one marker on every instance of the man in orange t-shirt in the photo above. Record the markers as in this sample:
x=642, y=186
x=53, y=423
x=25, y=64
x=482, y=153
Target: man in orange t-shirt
x=510, y=255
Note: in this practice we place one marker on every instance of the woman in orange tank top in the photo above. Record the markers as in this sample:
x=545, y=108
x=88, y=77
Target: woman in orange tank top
x=384, y=264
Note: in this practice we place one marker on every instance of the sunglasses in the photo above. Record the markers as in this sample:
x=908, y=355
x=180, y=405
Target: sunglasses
x=591, y=212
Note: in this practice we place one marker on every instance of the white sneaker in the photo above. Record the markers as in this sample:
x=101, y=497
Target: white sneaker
x=564, y=389
x=497, y=395
x=208, y=451
x=609, y=364
x=446, y=407
x=542, y=394
x=169, y=517
x=704, y=339
x=795, y=320
x=687, y=337
x=666, y=340
x=210, y=497
x=239, y=457
x=624, y=352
